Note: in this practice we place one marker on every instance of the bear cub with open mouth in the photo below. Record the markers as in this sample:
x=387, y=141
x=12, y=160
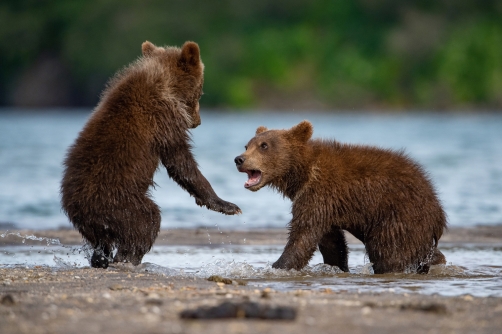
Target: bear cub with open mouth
x=380, y=196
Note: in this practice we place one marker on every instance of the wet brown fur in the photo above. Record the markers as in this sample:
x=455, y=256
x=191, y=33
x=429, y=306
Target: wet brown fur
x=381, y=196
x=142, y=119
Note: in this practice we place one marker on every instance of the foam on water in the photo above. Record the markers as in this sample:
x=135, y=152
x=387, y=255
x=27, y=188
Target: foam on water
x=472, y=269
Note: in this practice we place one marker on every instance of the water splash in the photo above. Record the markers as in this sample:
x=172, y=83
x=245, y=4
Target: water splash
x=244, y=270
x=60, y=262
x=208, y=236
x=366, y=269
x=148, y=267
x=50, y=241
x=450, y=270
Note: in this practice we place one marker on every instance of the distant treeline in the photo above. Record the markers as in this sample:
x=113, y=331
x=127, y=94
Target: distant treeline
x=286, y=54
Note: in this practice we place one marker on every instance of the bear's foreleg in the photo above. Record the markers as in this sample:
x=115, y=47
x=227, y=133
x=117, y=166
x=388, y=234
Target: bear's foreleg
x=182, y=168
x=304, y=237
x=333, y=248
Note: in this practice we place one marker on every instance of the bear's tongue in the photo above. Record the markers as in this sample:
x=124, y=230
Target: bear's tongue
x=254, y=177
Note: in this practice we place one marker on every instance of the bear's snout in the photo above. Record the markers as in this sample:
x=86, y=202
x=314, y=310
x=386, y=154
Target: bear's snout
x=239, y=160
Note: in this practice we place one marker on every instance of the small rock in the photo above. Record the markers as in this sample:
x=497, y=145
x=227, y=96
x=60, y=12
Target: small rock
x=428, y=307
x=219, y=279
x=366, y=310
x=116, y=287
x=243, y=310
x=468, y=298
x=153, y=301
x=266, y=293
x=7, y=300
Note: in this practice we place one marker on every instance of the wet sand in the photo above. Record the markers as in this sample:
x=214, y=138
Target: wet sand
x=118, y=300
x=203, y=236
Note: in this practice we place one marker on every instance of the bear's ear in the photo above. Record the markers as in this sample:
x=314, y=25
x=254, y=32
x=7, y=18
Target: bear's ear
x=302, y=131
x=190, y=55
x=147, y=48
x=261, y=129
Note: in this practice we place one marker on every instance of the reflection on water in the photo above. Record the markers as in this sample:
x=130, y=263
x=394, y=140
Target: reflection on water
x=472, y=268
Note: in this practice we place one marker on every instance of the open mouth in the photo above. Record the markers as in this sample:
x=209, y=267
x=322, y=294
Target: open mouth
x=254, y=177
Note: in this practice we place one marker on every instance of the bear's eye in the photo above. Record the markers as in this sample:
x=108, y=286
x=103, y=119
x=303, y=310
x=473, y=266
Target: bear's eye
x=246, y=147
x=264, y=146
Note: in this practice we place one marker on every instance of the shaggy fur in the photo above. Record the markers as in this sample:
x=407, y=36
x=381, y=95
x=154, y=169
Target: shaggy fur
x=143, y=117
x=380, y=196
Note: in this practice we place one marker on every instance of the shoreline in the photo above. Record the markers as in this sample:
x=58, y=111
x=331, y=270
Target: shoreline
x=44, y=299
x=483, y=234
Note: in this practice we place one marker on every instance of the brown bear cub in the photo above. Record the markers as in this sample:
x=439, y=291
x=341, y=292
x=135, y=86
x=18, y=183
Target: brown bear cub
x=380, y=196
x=144, y=117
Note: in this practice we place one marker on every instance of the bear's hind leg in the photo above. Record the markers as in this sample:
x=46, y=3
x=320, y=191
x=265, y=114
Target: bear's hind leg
x=333, y=248
x=436, y=258
x=138, y=239
x=128, y=254
x=101, y=257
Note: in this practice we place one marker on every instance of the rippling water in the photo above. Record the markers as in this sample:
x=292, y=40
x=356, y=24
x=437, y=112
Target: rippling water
x=463, y=154
x=473, y=269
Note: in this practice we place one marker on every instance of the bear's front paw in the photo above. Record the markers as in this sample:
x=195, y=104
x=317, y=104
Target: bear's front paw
x=288, y=262
x=222, y=206
x=280, y=264
x=229, y=208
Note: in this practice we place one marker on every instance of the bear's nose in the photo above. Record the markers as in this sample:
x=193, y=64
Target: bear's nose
x=239, y=160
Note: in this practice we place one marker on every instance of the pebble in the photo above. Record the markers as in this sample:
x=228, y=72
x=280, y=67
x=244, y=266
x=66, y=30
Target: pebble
x=7, y=300
x=115, y=287
x=468, y=298
x=366, y=310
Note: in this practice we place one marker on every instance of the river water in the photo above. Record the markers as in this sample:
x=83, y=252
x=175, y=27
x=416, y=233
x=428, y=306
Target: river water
x=461, y=152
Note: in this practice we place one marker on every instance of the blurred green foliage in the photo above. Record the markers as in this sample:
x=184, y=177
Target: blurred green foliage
x=391, y=54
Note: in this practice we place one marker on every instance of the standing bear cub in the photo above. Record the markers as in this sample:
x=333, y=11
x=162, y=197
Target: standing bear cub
x=143, y=117
x=380, y=196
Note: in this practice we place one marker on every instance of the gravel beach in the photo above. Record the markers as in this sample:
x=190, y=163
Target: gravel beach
x=120, y=300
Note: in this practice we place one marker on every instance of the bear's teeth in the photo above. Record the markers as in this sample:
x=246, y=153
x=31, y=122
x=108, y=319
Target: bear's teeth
x=254, y=178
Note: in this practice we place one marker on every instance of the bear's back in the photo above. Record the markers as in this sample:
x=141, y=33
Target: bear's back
x=361, y=162
x=368, y=179
x=117, y=145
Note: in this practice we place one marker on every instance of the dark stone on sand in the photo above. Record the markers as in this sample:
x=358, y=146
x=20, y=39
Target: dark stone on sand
x=428, y=307
x=243, y=310
x=7, y=300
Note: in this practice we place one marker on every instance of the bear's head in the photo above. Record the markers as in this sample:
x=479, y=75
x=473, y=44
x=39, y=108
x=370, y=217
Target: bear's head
x=271, y=155
x=185, y=74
